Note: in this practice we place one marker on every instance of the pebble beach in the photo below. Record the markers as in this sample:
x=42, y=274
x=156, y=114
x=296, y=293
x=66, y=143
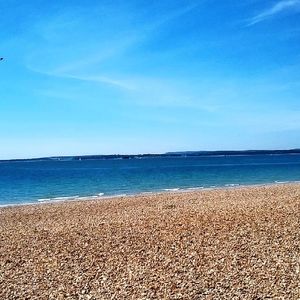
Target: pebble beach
x=241, y=243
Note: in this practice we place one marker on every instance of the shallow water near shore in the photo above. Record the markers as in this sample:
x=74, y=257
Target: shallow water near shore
x=43, y=181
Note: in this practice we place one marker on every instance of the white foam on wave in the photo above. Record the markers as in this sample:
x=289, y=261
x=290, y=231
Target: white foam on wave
x=58, y=198
x=99, y=195
x=195, y=188
x=281, y=182
x=232, y=184
x=44, y=199
x=65, y=198
x=172, y=190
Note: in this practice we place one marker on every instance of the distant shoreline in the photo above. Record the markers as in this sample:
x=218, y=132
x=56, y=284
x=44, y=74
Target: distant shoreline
x=153, y=155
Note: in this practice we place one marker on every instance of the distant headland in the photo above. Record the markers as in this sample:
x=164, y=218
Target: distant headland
x=167, y=154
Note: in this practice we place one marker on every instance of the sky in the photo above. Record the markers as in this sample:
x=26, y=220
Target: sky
x=143, y=76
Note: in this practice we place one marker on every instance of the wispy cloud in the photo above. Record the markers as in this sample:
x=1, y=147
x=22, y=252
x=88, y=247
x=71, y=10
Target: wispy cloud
x=108, y=41
x=91, y=78
x=96, y=62
x=109, y=51
x=173, y=15
x=102, y=79
x=277, y=8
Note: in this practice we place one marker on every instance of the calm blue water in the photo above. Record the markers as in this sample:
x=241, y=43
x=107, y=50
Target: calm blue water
x=24, y=182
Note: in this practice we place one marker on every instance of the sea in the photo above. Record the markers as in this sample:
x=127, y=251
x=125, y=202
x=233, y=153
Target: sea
x=24, y=182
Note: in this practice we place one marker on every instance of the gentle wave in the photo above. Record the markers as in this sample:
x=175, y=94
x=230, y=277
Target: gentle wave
x=195, y=188
x=44, y=199
x=231, y=184
x=172, y=190
x=58, y=198
x=65, y=198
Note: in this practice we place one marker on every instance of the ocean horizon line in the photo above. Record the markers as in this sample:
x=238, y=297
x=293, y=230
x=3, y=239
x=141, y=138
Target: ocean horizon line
x=188, y=153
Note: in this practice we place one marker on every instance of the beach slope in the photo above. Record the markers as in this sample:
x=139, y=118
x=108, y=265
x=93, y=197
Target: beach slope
x=239, y=243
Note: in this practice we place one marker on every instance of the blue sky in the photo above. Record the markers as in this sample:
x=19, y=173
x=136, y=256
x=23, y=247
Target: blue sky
x=98, y=77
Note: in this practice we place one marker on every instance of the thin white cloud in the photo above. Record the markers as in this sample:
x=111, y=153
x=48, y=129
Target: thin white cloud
x=102, y=79
x=277, y=8
x=92, y=78
x=172, y=15
x=136, y=36
x=108, y=51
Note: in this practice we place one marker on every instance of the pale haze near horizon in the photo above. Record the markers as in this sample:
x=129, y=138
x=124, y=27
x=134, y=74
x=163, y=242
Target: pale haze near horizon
x=148, y=77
